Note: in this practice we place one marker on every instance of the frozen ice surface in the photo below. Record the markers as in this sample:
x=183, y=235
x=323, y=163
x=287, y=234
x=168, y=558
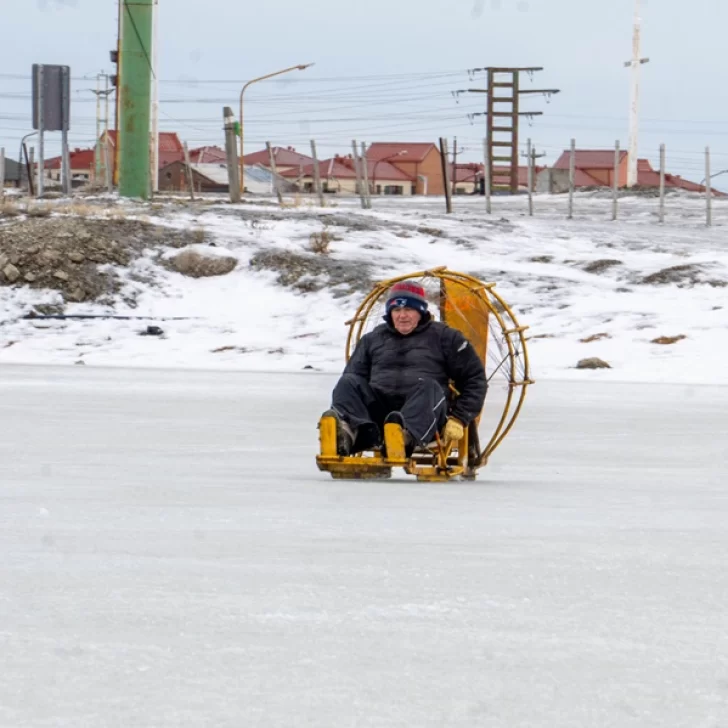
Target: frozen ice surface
x=172, y=557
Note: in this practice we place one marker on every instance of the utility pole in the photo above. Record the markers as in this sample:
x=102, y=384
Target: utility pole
x=455, y=153
x=232, y=154
x=102, y=123
x=97, y=165
x=635, y=64
x=503, y=112
x=155, y=100
x=136, y=88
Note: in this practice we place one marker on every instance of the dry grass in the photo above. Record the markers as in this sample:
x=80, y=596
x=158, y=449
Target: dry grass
x=595, y=337
x=668, y=339
x=10, y=209
x=78, y=209
x=320, y=243
x=39, y=210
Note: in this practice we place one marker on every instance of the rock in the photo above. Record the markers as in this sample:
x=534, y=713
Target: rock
x=152, y=331
x=61, y=275
x=599, y=266
x=76, y=257
x=29, y=277
x=77, y=295
x=196, y=265
x=593, y=363
x=11, y=273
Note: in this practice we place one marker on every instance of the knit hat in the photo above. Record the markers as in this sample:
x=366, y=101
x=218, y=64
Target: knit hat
x=407, y=294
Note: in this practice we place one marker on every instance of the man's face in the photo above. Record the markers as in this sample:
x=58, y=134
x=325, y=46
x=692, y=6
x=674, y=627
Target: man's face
x=405, y=320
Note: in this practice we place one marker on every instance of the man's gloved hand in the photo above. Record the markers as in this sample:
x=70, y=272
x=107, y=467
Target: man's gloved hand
x=454, y=430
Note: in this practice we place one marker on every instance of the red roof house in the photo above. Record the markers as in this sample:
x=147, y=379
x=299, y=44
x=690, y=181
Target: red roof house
x=285, y=158
x=338, y=174
x=420, y=161
x=81, y=161
x=595, y=168
x=208, y=155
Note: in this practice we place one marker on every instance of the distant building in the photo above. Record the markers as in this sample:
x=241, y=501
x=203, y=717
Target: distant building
x=170, y=149
x=213, y=177
x=208, y=155
x=286, y=158
x=419, y=161
x=81, y=164
x=596, y=168
x=338, y=176
x=12, y=174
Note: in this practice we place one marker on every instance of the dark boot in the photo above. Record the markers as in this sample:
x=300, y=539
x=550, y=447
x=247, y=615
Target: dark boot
x=345, y=436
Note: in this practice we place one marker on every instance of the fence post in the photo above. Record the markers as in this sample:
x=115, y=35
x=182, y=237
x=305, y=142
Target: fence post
x=572, y=178
x=445, y=176
x=662, y=183
x=365, y=175
x=486, y=176
x=529, y=182
x=274, y=170
x=190, y=178
x=317, y=174
x=615, y=181
x=357, y=170
x=2, y=172
x=708, y=190
x=231, y=152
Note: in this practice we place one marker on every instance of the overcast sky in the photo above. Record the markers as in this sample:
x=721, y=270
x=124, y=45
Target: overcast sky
x=386, y=70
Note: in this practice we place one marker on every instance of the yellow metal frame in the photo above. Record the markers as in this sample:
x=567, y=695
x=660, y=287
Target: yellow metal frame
x=440, y=462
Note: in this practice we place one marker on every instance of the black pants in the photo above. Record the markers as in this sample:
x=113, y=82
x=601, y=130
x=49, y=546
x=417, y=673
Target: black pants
x=424, y=410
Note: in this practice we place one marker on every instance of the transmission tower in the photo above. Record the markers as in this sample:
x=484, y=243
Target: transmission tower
x=503, y=113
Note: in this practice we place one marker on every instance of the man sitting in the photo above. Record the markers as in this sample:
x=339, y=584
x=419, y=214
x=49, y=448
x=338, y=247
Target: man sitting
x=400, y=373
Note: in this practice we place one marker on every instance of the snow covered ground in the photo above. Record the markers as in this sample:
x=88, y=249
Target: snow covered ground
x=567, y=279
x=171, y=557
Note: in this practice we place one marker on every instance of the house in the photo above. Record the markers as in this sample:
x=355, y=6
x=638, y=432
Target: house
x=205, y=177
x=596, y=168
x=338, y=176
x=170, y=148
x=213, y=177
x=467, y=178
x=286, y=158
x=81, y=161
x=471, y=178
x=208, y=155
x=420, y=162
x=12, y=174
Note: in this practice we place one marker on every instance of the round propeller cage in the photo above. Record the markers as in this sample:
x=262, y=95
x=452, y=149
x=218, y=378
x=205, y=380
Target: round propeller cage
x=487, y=321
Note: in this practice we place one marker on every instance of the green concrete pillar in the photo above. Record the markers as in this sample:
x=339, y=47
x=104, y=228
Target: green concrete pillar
x=136, y=96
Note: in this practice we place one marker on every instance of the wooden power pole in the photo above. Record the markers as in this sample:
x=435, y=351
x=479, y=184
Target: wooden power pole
x=502, y=115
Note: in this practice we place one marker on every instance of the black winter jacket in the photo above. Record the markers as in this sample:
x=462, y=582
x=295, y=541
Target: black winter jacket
x=393, y=364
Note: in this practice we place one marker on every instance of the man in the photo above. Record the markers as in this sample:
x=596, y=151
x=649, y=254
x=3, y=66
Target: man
x=400, y=372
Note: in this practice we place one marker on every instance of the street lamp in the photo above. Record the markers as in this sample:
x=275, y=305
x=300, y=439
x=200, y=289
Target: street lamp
x=401, y=153
x=302, y=67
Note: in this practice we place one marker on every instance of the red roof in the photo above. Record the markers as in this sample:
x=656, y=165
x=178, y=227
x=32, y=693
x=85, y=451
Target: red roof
x=207, y=155
x=170, y=147
x=79, y=159
x=590, y=159
x=343, y=168
x=168, y=141
x=470, y=172
x=284, y=156
x=402, y=152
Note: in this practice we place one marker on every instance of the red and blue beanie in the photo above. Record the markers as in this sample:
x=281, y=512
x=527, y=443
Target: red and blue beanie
x=407, y=294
